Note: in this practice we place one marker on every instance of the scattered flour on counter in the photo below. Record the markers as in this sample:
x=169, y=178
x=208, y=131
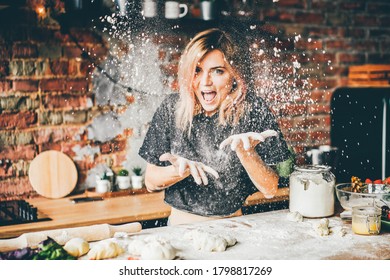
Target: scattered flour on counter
x=269, y=236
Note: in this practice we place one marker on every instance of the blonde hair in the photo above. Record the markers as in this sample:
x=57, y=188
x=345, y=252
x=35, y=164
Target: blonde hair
x=236, y=53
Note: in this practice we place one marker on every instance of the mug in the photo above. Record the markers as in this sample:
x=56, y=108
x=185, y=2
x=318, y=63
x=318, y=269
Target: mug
x=172, y=10
x=149, y=8
x=208, y=10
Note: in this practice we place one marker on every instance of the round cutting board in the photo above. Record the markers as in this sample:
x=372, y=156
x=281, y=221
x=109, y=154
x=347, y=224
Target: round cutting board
x=52, y=174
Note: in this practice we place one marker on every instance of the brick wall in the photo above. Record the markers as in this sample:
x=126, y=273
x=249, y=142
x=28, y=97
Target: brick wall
x=47, y=98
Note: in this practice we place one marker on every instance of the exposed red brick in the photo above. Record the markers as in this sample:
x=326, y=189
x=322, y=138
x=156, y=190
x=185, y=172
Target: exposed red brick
x=292, y=109
x=85, y=68
x=105, y=148
x=319, y=135
x=118, y=146
x=16, y=188
x=162, y=54
x=24, y=50
x=14, y=153
x=25, y=85
x=65, y=101
x=296, y=136
x=309, y=18
x=291, y=4
x=318, y=108
x=47, y=146
x=285, y=123
x=80, y=85
x=52, y=84
x=5, y=85
x=59, y=67
x=306, y=45
x=17, y=120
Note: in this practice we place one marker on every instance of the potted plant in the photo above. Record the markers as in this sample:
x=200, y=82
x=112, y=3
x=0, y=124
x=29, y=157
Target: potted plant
x=123, y=179
x=136, y=179
x=103, y=183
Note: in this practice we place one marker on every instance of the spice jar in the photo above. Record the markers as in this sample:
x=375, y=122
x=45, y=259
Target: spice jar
x=312, y=191
x=366, y=220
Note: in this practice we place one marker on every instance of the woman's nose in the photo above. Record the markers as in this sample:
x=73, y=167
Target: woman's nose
x=205, y=80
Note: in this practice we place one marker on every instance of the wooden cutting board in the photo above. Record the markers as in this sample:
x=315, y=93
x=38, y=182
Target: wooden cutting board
x=52, y=174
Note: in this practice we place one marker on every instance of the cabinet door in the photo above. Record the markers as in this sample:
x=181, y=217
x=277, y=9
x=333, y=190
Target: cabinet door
x=360, y=131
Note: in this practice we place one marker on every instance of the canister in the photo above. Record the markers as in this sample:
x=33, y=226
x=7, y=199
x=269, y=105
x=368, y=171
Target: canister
x=312, y=191
x=366, y=220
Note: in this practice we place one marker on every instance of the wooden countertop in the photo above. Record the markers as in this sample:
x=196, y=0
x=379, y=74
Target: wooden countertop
x=112, y=210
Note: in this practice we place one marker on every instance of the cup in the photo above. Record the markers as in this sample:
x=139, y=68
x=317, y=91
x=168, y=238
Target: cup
x=149, y=8
x=207, y=10
x=173, y=8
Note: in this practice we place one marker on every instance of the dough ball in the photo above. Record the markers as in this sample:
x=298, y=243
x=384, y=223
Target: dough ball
x=105, y=250
x=135, y=247
x=158, y=251
x=322, y=227
x=77, y=247
x=152, y=249
x=294, y=216
x=205, y=241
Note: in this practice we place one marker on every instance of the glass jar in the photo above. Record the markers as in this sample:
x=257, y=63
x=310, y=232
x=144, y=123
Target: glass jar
x=366, y=220
x=312, y=191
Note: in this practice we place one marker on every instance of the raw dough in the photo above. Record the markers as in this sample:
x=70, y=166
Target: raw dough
x=77, y=247
x=205, y=241
x=322, y=227
x=294, y=216
x=152, y=249
x=105, y=250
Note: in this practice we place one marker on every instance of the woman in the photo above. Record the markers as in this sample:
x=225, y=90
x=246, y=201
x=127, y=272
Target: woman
x=186, y=146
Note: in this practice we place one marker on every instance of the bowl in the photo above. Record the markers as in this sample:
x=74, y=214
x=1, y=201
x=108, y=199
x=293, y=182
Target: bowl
x=372, y=194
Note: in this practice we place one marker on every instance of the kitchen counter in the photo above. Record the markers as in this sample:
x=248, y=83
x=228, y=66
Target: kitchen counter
x=271, y=236
x=111, y=210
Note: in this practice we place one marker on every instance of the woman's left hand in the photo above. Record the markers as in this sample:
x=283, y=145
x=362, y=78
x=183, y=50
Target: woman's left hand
x=248, y=141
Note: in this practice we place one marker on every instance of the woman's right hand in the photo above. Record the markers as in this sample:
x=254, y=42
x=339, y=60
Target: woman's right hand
x=186, y=167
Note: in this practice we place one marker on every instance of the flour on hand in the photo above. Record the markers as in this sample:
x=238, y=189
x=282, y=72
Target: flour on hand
x=294, y=216
x=205, y=241
x=322, y=227
x=77, y=247
x=105, y=250
x=152, y=249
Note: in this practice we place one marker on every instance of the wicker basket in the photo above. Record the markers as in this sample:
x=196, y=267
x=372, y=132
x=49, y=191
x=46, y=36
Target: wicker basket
x=369, y=75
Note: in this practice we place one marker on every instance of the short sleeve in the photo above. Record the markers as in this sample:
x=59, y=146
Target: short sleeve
x=158, y=137
x=274, y=149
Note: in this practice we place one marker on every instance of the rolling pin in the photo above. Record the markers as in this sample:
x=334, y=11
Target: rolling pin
x=61, y=236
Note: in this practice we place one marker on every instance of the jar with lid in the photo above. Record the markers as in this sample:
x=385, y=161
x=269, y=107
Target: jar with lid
x=312, y=191
x=366, y=220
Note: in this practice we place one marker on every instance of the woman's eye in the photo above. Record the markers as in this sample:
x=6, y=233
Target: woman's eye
x=197, y=70
x=219, y=71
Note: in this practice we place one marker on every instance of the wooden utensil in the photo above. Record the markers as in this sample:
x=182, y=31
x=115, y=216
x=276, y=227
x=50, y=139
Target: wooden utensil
x=61, y=236
x=52, y=174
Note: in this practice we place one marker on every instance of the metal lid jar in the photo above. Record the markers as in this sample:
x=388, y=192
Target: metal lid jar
x=312, y=191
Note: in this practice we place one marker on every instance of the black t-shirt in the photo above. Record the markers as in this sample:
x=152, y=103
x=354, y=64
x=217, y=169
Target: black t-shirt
x=225, y=195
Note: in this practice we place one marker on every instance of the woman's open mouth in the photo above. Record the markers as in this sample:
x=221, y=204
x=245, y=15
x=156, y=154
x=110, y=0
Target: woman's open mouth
x=209, y=96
